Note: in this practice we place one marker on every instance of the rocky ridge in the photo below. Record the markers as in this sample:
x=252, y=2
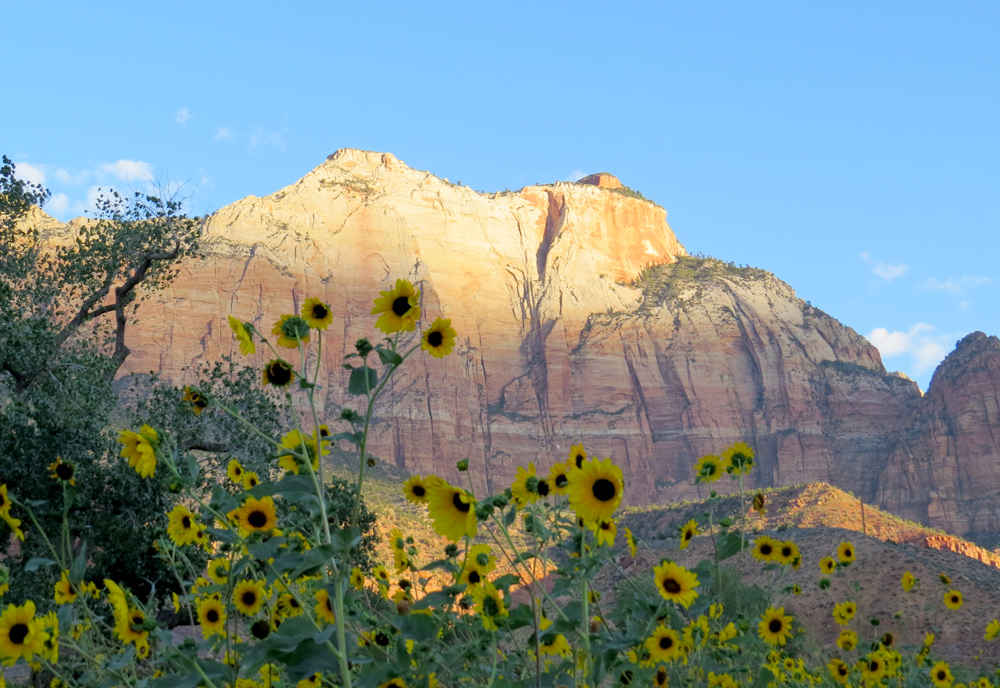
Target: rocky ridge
x=580, y=318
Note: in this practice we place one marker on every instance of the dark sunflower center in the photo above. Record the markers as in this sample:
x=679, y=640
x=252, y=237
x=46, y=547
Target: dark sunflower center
x=435, y=338
x=848, y=553
x=260, y=629
x=237, y=471
x=579, y=460
x=661, y=677
x=842, y=670
x=212, y=616
x=64, y=471
x=688, y=534
x=954, y=598
x=419, y=490
x=186, y=522
x=626, y=677
x=672, y=586
x=941, y=675
x=328, y=607
x=381, y=639
x=220, y=571
x=605, y=525
x=490, y=606
x=561, y=480
x=474, y=577
x=294, y=603
x=766, y=549
x=888, y=639
x=257, y=519
x=543, y=488
x=775, y=625
x=786, y=551
x=3, y=501
x=604, y=489
x=319, y=311
x=279, y=374
x=403, y=584
x=459, y=504
x=666, y=642
x=400, y=305
x=249, y=598
x=18, y=632
x=874, y=665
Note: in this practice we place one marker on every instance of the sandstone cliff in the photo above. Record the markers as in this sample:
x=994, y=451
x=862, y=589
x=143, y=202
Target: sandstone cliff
x=945, y=469
x=580, y=317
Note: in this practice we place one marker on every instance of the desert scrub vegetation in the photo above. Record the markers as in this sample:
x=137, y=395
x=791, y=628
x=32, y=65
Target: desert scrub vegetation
x=664, y=282
x=266, y=561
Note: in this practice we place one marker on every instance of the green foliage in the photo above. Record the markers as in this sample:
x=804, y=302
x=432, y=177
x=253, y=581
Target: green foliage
x=664, y=282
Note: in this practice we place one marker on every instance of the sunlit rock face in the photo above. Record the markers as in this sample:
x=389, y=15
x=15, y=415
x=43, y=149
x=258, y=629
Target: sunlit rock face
x=579, y=318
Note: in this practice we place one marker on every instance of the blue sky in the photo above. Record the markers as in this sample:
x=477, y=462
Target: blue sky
x=851, y=148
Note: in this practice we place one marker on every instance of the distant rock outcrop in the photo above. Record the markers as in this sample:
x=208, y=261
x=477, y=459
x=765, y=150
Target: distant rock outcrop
x=945, y=469
x=580, y=317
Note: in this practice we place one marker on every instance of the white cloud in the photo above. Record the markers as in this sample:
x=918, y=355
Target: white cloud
x=924, y=349
x=576, y=175
x=223, y=134
x=128, y=170
x=58, y=204
x=884, y=270
x=261, y=137
x=67, y=177
x=182, y=116
x=30, y=173
x=955, y=286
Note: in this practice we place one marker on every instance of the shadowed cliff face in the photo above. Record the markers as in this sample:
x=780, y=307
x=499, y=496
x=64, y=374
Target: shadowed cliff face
x=945, y=469
x=579, y=318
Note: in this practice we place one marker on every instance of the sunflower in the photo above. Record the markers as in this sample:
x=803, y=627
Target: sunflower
x=888, y=639
x=708, y=469
x=296, y=446
x=787, y=553
x=676, y=583
x=827, y=565
x=595, y=490
x=316, y=314
x=65, y=594
x=250, y=480
x=20, y=635
x=182, y=526
x=394, y=683
x=400, y=308
x=243, y=336
x=556, y=645
x=212, y=616
x=907, y=580
x=721, y=681
x=848, y=640
x=524, y=488
x=139, y=450
x=415, y=490
x=235, y=471
x=982, y=682
x=130, y=621
x=357, y=579
x=844, y=612
x=381, y=575
x=577, y=455
x=944, y=579
x=660, y=678
x=4, y=500
x=992, y=630
x=63, y=471
x=14, y=525
x=953, y=599
x=558, y=478
x=941, y=676
x=198, y=402
x=697, y=632
x=249, y=596
x=774, y=627
x=324, y=606
x=664, y=645
x=452, y=509
x=287, y=606
x=605, y=532
x=256, y=515
x=278, y=373
x=688, y=532
x=738, y=459
x=218, y=570
x=314, y=681
x=290, y=330
x=630, y=539
x=765, y=549
x=472, y=575
x=439, y=339
x=845, y=552
x=489, y=604
x=482, y=556
x=839, y=671
x=873, y=668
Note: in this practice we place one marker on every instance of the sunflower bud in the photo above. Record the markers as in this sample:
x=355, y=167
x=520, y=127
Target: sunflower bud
x=370, y=462
x=595, y=625
x=482, y=559
x=463, y=465
x=451, y=551
x=295, y=328
x=726, y=522
x=402, y=607
x=501, y=500
x=531, y=484
x=363, y=347
x=483, y=511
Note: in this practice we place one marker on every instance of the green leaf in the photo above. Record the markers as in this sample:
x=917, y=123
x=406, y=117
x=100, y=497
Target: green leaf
x=266, y=550
x=357, y=385
x=415, y=626
x=388, y=357
x=729, y=545
x=763, y=678
x=433, y=599
x=520, y=616
x=79, y=565
x=34, y=564
x=509, y=517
